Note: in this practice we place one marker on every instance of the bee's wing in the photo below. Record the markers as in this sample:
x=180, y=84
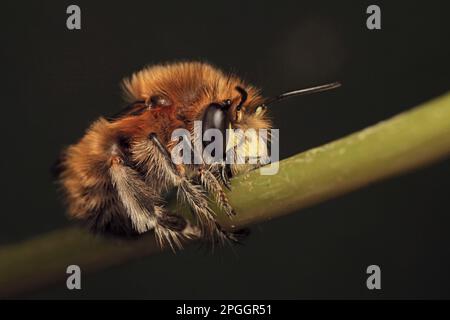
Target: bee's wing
x=134, y=109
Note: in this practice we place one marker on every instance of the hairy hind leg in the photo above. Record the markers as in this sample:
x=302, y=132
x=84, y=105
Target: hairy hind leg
x=144, y=206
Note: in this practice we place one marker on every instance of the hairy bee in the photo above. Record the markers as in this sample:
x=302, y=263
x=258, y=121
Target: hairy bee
x=115, y=177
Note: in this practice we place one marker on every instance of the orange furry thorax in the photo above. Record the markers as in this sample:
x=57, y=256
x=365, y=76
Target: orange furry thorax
x=191, y=87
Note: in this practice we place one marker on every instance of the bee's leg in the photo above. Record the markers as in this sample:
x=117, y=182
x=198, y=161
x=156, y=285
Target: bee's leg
x=192, y=194
x=225, y=175
x=195, y=197
x=213, y=186
x=211, y=183
x=172, y=228
x=236, y=236
x=143, y=205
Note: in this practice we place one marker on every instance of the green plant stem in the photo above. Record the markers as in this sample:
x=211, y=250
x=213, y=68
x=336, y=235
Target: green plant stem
x=409, y=140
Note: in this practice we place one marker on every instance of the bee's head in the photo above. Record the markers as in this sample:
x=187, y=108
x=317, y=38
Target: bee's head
x=250, y=116
x=237, y=113
x=226, y=115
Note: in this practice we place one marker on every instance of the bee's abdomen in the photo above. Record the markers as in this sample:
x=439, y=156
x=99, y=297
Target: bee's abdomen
x=86, y=176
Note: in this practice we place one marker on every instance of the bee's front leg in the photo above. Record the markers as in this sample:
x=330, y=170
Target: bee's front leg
x=225, y=175
x=210, y=179
x=213, y=186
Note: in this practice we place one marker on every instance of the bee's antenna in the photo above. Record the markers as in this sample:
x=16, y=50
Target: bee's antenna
x=244, y=96
x=324, y=87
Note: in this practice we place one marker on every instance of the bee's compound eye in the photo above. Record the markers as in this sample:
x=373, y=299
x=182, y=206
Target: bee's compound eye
x=214, y=118
x=158, y=101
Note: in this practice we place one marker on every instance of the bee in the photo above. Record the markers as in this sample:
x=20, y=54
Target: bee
x=115, y=177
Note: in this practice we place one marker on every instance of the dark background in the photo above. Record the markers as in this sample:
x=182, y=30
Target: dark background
x=55, y=82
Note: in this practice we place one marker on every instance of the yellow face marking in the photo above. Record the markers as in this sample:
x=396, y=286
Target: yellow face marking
x=259, y=110
x=238, y=116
